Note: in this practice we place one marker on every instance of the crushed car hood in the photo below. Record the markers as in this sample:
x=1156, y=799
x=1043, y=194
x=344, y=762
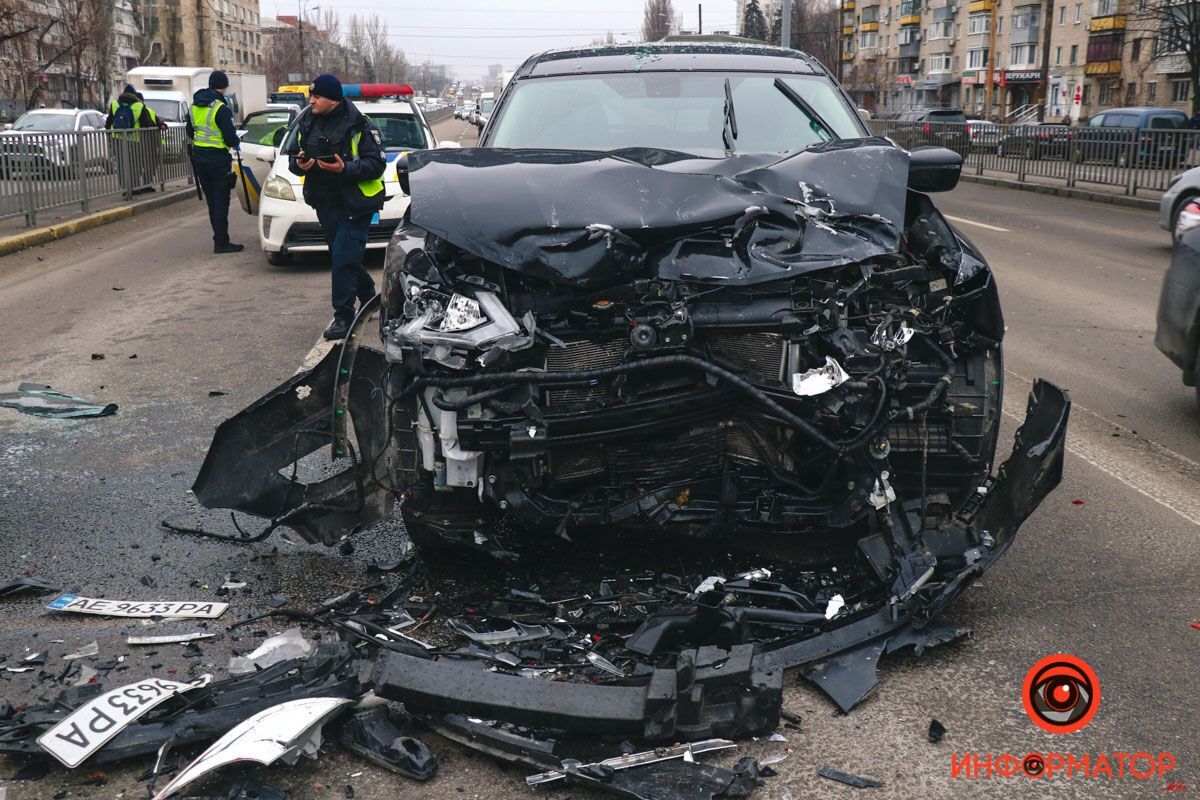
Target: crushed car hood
x=590, y=219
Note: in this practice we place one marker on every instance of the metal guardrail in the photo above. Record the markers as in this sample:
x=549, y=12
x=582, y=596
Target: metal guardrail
x=1126, y=158
x=42, y=171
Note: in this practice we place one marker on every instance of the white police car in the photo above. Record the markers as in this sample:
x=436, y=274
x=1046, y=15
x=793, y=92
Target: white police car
x=286, y=224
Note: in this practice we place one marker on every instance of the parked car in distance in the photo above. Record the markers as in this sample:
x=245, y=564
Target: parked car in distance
x=983, y=135
x=1183, y=189
x=1033, y=140
x=1177, y=334
x=30, y=145
x=940, y=127
x=1135, y=136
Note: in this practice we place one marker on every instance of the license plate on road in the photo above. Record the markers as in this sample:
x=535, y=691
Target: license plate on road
x=94, y=723
x=125, y=608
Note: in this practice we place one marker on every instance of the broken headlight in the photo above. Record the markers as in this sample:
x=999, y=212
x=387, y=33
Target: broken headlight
x=462, y=314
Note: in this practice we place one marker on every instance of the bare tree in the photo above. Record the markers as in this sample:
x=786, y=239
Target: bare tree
x=816, y=29
x=1174, y=26
x=656, y=20
x=754, y=24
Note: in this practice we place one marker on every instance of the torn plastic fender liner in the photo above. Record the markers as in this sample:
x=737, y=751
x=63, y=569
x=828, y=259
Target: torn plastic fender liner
x=250, y=452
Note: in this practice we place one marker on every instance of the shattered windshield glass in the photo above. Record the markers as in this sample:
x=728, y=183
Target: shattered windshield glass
x=668, y=110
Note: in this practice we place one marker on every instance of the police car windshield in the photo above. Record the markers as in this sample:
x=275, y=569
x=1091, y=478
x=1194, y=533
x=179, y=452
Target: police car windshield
x=45, y=122
x=166, y=110
x=670, y=110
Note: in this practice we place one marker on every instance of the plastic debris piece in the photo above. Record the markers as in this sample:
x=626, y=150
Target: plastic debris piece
x=856, y=781
x=777, y=737
x=39, y=400
x=172, y=638
x=87, y=650
x=819, y=380
x=277, y=600
x=600, y=662
x=936, y=731
x=684, y=751
x=519, y=633
x=251, y=789
x=377, y=735
x=773, y=759
x=281, y=733
x=1076, y=502
x=19, y=585
x=86, y=676
x=287, y=645
x=836, y=604
x=708, y=584
x=760, y=574
x=1196, y=625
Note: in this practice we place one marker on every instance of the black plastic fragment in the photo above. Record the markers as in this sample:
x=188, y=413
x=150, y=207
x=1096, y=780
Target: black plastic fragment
x=251, y=789
x=936, y=731
x=23, y=584
x=378, y=735
x=856, y=781
x=672, y=780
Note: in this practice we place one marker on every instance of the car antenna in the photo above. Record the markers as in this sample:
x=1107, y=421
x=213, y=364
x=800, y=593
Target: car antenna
x=802, y=104
x=729, y=131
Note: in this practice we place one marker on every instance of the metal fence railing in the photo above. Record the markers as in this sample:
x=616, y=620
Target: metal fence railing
x=1125, y=158
x=43, y=171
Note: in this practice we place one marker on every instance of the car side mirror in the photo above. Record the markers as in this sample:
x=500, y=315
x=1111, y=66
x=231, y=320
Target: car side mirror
x=933, y=169
x=8, y=126
x=402, y=172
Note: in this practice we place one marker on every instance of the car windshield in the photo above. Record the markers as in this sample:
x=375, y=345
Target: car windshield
x=669, y=110
x=397, y=132
x=166, y=110
x=45, y=122
x=261, y=128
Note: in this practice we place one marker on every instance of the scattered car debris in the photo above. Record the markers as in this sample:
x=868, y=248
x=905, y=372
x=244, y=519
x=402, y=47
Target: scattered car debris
x=280, y=733
x=26, y=584
x=636, y=759
x=380, y=735
x=97, y=721
x=171, y=638
x=39, y=400
x=286, y=646
x=936, y=731
x=848, y=779
x=86, y=651
x=125, y=608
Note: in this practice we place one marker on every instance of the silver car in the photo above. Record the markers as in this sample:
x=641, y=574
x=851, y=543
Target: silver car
x=1182, y=189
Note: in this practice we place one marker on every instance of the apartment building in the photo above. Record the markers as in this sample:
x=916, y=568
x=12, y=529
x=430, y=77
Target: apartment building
x=222, y=34
x=1067, y=58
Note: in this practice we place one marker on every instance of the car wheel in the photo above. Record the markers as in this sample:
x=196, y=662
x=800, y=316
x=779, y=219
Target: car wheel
x=1195, y=366
x=278, y=258
x=1183, y=200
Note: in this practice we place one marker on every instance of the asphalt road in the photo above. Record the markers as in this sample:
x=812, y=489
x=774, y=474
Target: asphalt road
x=1113, y=579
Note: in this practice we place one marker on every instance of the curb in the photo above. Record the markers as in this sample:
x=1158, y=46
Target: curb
x=1063, y=191
x=61, y=230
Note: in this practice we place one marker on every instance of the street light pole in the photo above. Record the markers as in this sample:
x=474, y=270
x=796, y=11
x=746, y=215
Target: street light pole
x=300, y=25
x=785, y=25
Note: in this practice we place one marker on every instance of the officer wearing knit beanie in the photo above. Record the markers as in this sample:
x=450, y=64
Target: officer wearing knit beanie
x=338, y=152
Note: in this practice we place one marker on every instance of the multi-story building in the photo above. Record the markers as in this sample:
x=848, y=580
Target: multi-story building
x=222, y=34
x=1057, y=58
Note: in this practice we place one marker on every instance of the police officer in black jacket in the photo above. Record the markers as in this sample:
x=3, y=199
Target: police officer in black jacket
x=339, y=156
x=211, y=129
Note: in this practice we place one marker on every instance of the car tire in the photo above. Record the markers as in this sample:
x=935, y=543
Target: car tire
x=1195, y=366
x=278, y=258
x=1182, y=201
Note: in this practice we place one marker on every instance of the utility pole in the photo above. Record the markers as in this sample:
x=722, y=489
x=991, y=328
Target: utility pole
x=1047, y=19
x=300, y=25
x=991, y=59
x=700, y=12
x=785, y=25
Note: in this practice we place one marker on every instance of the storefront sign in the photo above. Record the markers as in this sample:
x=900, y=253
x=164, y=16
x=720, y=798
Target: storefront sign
x=1022, y=75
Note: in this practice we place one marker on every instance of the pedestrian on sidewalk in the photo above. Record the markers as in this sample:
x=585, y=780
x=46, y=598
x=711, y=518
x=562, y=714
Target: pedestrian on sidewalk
x=212, y=133
x=338, y=155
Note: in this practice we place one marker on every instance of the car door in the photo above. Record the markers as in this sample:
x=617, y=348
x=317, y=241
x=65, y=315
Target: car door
x=262, y=133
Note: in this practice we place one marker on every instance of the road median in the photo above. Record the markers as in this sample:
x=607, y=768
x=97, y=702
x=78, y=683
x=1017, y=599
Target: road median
x=61, y=230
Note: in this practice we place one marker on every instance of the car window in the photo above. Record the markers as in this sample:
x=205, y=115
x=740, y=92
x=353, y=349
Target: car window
x=165, y=110
x=1165, y=121
x=44, y=122
x=400, y=131
x=946, y=116
x=1127, y=120
x=1097, y=121
x=670, y=110
x=261, y=126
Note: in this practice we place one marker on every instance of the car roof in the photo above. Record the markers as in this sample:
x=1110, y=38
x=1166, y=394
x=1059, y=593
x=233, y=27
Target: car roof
x=384, y=108
x=60, y=111
x=1143, y=110
x=669, y=57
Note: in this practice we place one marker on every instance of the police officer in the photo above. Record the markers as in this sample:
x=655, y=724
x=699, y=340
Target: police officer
x=126, y=114
x=212, y=133
x=339, y=157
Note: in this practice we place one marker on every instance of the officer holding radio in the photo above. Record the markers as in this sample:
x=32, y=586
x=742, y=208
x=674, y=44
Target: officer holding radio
x=338, y=155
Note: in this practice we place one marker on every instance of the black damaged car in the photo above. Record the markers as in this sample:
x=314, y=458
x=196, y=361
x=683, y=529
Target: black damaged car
x=678, y=288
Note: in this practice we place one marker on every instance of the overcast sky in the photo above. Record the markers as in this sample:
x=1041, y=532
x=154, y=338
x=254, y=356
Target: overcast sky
x=468, y=35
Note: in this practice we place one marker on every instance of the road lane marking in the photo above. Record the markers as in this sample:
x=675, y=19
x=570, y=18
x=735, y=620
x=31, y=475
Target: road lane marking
x=1148, y=468
x=980, y=224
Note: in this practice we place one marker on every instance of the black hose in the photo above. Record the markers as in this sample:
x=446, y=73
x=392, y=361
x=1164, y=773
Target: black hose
x=937, y=391
x=649, y=363
x=469, y=400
